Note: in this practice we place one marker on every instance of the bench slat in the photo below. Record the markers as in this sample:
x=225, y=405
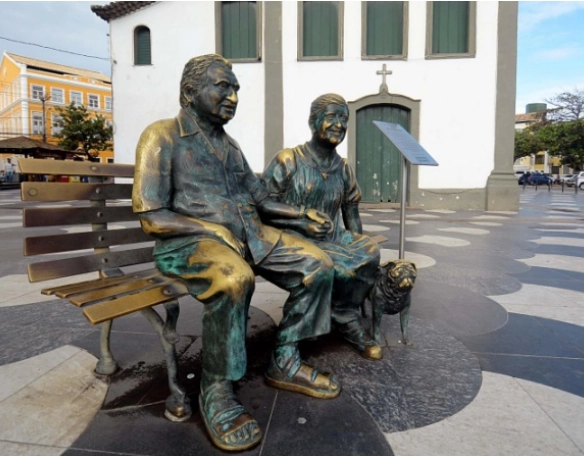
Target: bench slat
x=107, y=310
x=114, y=291
x=54, y=269
x=64, y=291
x=76, y=215
x=63, y=191
x=74, y=168
x=41, y=245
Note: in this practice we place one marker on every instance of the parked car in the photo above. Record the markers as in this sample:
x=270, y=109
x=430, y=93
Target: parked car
x=538, y=179
x=524, y=178
x=563, y=177
x=569, y=180
x=579, y=180
x=550, y=178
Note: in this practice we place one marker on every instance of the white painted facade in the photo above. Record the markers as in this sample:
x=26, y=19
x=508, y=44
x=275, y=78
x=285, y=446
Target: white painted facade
x=458, y=95
x=144, y=94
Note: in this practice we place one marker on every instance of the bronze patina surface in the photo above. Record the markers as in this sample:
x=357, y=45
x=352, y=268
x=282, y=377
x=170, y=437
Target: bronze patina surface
x=195, y=192
x=315, y=176
x=392, y=294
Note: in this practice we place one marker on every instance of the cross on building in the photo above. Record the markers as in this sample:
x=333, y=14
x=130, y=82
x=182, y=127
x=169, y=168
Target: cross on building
x=384, y=72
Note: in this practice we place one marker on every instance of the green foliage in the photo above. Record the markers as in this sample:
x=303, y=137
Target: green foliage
x=527, y=143
x=565, y=140
x=82, y=131
x=559, y=131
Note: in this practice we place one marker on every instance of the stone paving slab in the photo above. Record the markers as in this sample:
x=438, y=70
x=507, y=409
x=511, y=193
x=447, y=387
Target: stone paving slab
x=496, y=367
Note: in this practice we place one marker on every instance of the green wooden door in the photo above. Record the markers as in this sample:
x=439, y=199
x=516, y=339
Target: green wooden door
x=378, y=160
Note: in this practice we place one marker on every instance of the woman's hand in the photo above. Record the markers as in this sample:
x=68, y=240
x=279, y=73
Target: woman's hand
x=320, y=218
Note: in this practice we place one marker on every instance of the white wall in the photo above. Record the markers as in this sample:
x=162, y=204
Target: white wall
x=457, y=95
x=144, y=94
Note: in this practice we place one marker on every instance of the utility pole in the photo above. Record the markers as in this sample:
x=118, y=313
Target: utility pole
x=43, y=99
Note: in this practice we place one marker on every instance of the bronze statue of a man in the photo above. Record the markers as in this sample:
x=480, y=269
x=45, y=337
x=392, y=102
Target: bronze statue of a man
x=313, y=174
x=196, y=193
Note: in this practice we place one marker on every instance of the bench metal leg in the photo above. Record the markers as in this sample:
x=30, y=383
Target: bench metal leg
x=107, y=364
x=178, y=407
x=172, y=312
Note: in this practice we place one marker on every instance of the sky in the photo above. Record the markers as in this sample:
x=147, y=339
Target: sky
x=550, y=54
x=550, y=51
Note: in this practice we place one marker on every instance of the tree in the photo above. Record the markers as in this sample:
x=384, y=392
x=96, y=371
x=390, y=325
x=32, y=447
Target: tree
x=569, y=106
x=527, y=143
x=81, y=131
x=566, y=140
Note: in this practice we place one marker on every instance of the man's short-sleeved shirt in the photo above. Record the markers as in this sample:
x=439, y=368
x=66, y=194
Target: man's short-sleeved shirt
x=177, y=169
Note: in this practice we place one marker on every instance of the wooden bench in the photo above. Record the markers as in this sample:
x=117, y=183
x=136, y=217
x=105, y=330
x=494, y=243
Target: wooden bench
x=95, y=246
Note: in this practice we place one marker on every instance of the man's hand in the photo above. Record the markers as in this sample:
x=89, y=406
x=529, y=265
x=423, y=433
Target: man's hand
x=313, y=230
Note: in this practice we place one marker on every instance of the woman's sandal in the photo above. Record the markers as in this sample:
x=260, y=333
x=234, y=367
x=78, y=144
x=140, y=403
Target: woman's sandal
x=306, y=380
x=229, y=425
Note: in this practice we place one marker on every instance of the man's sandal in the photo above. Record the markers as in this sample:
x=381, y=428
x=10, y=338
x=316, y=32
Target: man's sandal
x=229, y=425
x=306, y=380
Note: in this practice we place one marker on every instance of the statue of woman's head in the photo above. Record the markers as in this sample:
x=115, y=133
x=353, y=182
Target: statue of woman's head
x=329, y=116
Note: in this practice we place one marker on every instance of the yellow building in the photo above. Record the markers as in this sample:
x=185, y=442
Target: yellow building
x=31, y=90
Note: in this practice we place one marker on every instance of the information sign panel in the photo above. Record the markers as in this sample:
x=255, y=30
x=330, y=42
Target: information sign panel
x=407, y=145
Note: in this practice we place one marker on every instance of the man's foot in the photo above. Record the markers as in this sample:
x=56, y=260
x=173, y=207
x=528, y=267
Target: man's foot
x=229, y=425
x=359, y=339
x=299, y=377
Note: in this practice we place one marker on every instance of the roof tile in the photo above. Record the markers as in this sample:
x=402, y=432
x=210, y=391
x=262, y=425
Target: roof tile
x=114, y=10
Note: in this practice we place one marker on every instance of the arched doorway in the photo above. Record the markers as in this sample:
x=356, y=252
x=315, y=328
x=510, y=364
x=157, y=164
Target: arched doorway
x=377, y=163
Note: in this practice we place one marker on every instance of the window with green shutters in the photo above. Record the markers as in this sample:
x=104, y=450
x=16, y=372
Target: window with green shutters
x=142, y=50
x=384, y=29
x=451, y=29
x=320, y=36
x=239, y=38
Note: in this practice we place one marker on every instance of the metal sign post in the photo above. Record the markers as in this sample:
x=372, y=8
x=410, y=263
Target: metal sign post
x=412, y=152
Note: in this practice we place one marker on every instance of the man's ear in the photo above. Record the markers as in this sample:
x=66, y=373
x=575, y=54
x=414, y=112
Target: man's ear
x=190, y=94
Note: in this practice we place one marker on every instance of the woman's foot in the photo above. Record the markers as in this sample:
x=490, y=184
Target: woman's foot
x=300, y=377
x=229, y=425
x=359, y=339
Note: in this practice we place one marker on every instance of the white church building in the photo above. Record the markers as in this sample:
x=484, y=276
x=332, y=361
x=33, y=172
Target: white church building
x=445, y=71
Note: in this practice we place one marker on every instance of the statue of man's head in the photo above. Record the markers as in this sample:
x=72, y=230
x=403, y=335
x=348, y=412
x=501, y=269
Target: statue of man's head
x=208, y=88
x=328, y=120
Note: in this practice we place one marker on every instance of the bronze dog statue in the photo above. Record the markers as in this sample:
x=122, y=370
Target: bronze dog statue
x=390, y=295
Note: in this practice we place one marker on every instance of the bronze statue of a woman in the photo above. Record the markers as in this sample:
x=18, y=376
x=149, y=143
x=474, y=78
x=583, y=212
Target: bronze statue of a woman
x=314, y=176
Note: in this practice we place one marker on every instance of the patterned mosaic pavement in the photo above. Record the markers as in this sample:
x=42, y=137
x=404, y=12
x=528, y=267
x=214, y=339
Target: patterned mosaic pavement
x=497, y=364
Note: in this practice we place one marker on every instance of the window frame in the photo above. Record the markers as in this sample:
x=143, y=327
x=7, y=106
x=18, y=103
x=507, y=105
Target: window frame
x=405, y=29
x=135, y=47
x=38, y=115
x=89, y=95
x=300, y=36
x=71, y=92
x=57, y=89
x=33, y=88
x=219, y=33
x=53, y=124
x=472, y=33
x=111, y=103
